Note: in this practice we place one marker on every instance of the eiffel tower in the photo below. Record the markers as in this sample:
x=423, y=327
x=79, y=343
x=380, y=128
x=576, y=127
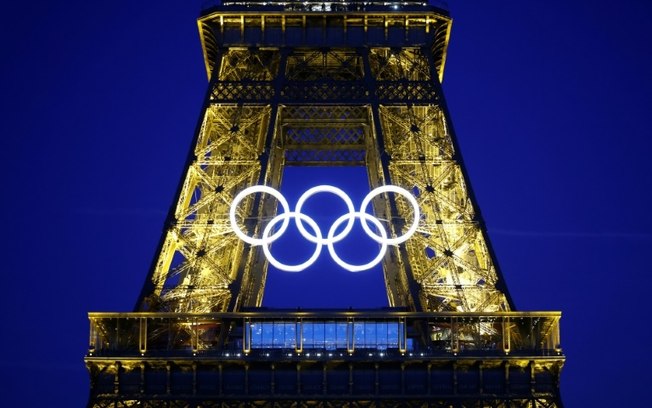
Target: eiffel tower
x=311, y=83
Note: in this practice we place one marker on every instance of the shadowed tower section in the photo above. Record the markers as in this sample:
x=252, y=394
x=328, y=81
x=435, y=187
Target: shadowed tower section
x=328, y=84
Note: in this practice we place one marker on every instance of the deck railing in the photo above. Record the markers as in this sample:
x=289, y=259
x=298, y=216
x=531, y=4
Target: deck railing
x=324, y=334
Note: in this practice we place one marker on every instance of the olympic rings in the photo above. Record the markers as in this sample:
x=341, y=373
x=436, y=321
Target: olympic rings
x=318, y=238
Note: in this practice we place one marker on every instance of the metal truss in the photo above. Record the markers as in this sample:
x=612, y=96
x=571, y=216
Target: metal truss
x=197, y=263
x=279, y=105
x=376, y=106
x=449, y=257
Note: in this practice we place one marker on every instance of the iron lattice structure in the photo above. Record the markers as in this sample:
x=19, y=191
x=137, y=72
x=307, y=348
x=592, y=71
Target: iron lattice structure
x=328, y=89
x=326, y=84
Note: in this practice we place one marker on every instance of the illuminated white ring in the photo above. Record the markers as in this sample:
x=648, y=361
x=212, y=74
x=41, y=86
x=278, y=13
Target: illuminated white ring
x=368, y=265
x=397, y=190
x=325, y=189
x=318, y=239
x=267, y=239
x=251, y=190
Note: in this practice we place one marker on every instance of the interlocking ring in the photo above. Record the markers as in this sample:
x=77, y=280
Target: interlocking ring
x=318, y=238
x=267, y=240
x=242, y=195
x=363, y=216
x=391, y=189
x=325, y=189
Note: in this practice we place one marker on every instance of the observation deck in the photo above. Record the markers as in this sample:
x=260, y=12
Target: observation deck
x=324, y=24
x=330, y=354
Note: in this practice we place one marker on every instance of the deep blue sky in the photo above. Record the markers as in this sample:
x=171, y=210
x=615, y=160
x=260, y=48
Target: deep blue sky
x=551, y=102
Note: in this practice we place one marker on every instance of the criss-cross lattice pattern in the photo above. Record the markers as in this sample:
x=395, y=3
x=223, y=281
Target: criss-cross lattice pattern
x=448, y=256
x=313, y=65
x=249, y=64
x=323, y=91
x=390, y=64
x=328, y=113
x=325, y=136
x=241, y=92
x=191, y=272
x=396, y=115
x=246, y=75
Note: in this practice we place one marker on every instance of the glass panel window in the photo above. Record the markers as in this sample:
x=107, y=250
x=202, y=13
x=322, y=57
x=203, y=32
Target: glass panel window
x=330, y=335
x=392, y=334
x=256, y=332
x=341, y=336
x=358, y=335
x=268, y=335
x=381, y=335
x=290, y=338
x=308, y=338
x=370, y=334
x=318, y=334
x=278, y=335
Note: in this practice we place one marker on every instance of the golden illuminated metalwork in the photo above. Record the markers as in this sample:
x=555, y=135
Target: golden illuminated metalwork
x=380, y=106
x=324, y=84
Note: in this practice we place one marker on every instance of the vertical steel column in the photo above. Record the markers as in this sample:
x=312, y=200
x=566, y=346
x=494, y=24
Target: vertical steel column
x=149, y=286
x=249, y=283
x=142, y=335
x=410, y=296
x=500, y=282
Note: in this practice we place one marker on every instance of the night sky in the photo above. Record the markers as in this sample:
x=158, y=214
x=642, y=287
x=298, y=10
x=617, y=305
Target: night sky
x=551, y=102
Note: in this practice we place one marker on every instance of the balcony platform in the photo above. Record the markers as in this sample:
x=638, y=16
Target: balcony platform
x=334, y=356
